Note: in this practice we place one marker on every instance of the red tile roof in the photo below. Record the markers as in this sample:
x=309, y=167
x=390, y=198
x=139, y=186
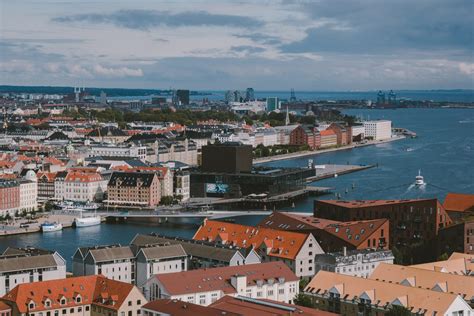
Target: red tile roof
x=205, y=280
x=459, y=202
x=369, y=203
x=90, y=289
x=4, y=307
x=286, y=244
x=83, y=177
x=180, y=308
x=327, y=132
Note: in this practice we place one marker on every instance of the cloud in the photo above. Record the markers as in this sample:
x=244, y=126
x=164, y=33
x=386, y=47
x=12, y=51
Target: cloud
x=117, y=72
x=467, y=68
x=148, y=19
x=247, y=49
x=387, y=27
x=261, y=38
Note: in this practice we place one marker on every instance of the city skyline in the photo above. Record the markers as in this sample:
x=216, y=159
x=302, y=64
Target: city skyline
x=224, y=45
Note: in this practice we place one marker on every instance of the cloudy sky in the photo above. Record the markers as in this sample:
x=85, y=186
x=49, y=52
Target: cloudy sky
x=272, y=45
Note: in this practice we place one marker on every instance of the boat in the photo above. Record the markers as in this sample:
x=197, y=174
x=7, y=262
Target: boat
x=419, y=180
x=89, y=206
x=51, y=227
x=409, y=149
x=87, y=221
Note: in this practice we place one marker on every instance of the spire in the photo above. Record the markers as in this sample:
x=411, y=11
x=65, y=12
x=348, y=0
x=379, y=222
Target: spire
x=287, y=119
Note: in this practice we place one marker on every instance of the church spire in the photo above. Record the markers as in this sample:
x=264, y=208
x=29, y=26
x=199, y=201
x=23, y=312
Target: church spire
x=287, y=119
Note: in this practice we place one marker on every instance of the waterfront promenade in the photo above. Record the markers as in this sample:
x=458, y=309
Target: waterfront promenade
x=317, y=152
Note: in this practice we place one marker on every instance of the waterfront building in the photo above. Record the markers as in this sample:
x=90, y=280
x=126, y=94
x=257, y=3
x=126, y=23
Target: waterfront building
x=163, y=307
x=357, y=132
x=202, y=254
x=358, y=263
x=462, y=285
x=284, y=134
x=349, y=295
x=328, y=139
x=227, y=157
x=46, y=185
x=343, y=134
x=9, y=197
x=418, y=219
x=83, y=185
x=297, y=250
x=332, y=235
x=28, y=192
x=271, y=280
x=130, y=151
x=305, y=135
x=378, y=130
x=273, y=103
x=246, y=306
x=134, y=189
x=25, y=265
x=77, y=296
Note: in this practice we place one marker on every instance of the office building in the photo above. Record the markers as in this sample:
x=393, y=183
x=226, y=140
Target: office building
x=273, y=103
x=378, y=130
x=182, y=97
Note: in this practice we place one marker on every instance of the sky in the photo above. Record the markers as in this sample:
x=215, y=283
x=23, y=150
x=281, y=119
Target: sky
x=218, y=45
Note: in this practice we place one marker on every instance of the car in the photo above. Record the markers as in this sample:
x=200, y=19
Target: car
x=24, y=225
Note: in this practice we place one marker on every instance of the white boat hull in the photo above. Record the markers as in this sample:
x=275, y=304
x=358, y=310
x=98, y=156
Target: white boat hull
x=52, y=228
x=87, y=221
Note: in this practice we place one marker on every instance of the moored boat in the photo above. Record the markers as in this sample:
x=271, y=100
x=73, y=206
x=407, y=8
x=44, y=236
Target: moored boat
x=87, y=221
x=51, y=227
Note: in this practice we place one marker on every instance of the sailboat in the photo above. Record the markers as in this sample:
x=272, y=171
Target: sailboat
x=87, y=221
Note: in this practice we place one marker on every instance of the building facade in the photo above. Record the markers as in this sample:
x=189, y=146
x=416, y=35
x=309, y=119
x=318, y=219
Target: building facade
x=378, y=130
x=134, y=189
x=9, y=197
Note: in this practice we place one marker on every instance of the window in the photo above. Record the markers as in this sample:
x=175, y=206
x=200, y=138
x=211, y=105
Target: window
x=129, y=303
x=64, y=311
x=87, y=308
x=139, y=302
x=71, y=310
x=130, y=313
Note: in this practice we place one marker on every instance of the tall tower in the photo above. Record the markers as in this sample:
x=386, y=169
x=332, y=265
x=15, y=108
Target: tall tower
x=287, y=118
x=292, y=95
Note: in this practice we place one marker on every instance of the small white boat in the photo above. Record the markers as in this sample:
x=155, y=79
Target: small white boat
x=89, y=206
x=419, y=180
x=409, y=149
x=51, y=227
x=87, y=221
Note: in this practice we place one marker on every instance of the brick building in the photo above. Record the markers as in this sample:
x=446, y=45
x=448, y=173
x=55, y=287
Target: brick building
x=328, y=139
x=410, y=220
x=9, y=197
x=343, y=134
x=458, y=237
x=459, y=205
x=305, y=135
x=134, y=188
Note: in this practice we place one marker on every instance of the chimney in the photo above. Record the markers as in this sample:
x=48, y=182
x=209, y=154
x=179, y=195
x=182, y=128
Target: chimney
x=344, y=251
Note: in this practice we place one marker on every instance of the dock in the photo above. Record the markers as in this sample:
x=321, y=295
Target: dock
x=330, y=171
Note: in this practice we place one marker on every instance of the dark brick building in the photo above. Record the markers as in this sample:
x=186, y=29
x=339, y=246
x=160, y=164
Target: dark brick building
x=305, y=135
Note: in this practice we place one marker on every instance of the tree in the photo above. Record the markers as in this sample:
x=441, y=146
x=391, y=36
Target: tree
x=167, y=200
x=443, y=257
x=397, y=310
x=304, y=300
x=48, y=206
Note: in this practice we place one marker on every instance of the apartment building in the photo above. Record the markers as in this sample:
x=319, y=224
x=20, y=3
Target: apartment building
x=332, y=235
x=77, y=296
x=45, y=185
x=82, y=185
x=134, y=188
x=459, y=205
x=9, y=197
x=462, y=285
x=130, y=151
x=328, y=139
x=114, y=262
x=270, y=280
x=201, y=254
x=305, y=135
x=297, y=250
x=378, y=130
x=418, y=219
x=28, y=192
x=359, y=263
x=25, y=265
x=343, y=134
x=349, y=295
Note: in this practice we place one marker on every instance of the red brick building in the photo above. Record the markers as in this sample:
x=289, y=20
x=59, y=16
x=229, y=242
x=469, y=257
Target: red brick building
x=9, y=197
x=456, y=238
x=343, y=134
x=305, y=135
x=334, y=235
x=410, y=220
x=459, y=205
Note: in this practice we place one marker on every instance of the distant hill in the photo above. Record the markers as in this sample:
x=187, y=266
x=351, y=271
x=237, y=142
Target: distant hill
x=112, y=92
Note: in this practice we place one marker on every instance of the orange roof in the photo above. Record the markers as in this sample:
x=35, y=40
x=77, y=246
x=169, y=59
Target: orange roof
x=88, y=287
x=426, y=279
x=8, y=176
x=368, y=203
x=327, y=132
x=78, y=176
x=205, y=280
x=48, y=175
x=459, y=202
x=4, y=307
x=53, y=161
x=454, y=266
x=381, y=293
x=286, y=244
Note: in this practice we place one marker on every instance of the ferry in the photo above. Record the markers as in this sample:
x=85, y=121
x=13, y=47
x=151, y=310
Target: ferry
x=87, y=221
x=419, y=180
x=51, y=227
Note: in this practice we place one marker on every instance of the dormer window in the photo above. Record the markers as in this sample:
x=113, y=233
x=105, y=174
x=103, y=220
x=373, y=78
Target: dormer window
x=63, y=301
x=31, y=305
x=47, y=303
x=78, y=299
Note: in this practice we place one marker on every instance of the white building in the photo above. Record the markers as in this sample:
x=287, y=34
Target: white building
x=131, y=151
x=26, y=265
x=359, y=263
x=358, y=130
x=84, y=186
x=378, y=130
x=182, y=185
x=272, y=280
x=28, y=192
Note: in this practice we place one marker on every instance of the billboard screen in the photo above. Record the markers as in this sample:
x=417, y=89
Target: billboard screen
x=217, y=188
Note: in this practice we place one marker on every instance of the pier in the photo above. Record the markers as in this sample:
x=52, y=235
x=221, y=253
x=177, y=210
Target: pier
x=330, y=171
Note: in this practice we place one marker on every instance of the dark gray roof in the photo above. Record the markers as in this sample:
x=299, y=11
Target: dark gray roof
x=107, y=131
x=111, y=253
x=11, y=263
x=162, y=252
x=130, y=179
x=191, y=247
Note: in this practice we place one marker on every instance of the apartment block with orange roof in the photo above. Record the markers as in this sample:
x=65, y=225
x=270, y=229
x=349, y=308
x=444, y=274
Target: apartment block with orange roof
x=297, y=250
x=349, y=295
x=77, y=296
x=82, y=185
x=134, y=189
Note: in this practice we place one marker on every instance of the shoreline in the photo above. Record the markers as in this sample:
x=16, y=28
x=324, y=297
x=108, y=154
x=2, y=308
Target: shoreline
x=317, y=152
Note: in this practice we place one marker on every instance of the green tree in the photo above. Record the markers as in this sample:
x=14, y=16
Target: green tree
x=443, y=257
x=396, y=310
x=304, y=300
x=48, y=206
x=167, y=200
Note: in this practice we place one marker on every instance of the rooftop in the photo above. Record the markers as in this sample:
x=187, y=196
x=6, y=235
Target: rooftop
x=180, y=308
x=368, y=203
x=459, y=202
